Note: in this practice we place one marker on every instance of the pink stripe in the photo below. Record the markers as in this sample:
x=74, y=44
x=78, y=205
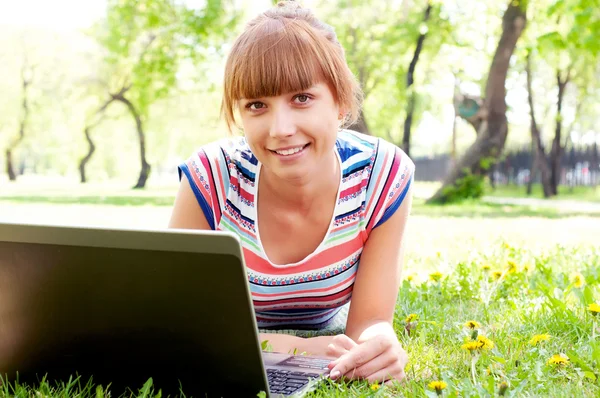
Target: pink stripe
x=379, y=177
x=354, y=189
x=383, y=200
x=330, y=256
x=199, y=184
x=216, y=209
x=346, y=225
x=332, y=297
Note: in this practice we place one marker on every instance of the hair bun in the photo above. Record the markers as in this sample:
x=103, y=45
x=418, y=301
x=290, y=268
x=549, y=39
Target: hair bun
x=291, y=4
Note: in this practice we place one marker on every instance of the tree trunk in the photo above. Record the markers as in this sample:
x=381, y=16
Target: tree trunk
x=490, y=141
x=26, y=81
x=87, y=131
x=533, y=169
x=361, y=124
x=145, y=170
x=88, y=156
x=536, y=140
x=557, y=148
x=409, y=82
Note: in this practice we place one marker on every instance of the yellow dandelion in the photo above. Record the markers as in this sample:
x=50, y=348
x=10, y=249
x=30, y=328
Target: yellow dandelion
x=471, y=346
x=512, y=267
x=578, y=280
x=436, y=276
x=527, y=268
x=411, y=317
x=375, y=387
x=438, y=386
x=506, y=246
x=594, y=309
x=484, y=342
x=410, y=277
x=493, y=369
x=502, y=387
x=438, y=254
x=472, y=325
x=558, y=360
x=535, y=340
x=497, y=275
x=486, y=267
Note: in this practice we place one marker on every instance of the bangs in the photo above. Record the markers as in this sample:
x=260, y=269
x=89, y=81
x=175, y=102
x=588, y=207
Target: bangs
x=277, y=57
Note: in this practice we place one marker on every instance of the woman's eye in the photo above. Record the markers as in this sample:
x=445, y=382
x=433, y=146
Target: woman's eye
x=255, y=106
x=302, y=98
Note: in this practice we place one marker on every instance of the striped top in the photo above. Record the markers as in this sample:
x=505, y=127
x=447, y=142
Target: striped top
x=306, y=295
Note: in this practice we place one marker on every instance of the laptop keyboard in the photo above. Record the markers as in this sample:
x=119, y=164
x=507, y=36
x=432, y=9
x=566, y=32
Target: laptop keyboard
x=287, y=382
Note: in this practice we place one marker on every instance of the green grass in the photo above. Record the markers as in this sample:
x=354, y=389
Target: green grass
x=482, y=209
x=589, y=194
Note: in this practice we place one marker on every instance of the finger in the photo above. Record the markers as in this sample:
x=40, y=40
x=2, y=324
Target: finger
x=388, y=375
x=359, y=356
x=344, y=341
x=335, y=351
x=339, y=346
x=381, y=362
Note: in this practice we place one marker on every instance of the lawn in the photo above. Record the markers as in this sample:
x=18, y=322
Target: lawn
x=591, y=194
x=516, y=271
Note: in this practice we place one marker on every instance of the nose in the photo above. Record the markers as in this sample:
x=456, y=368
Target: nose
x=282, y=123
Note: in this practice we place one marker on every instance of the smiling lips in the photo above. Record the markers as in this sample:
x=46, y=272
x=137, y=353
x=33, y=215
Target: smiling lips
x=289, y=151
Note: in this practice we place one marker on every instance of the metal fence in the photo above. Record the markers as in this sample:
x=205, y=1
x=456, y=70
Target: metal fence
x=579, y=166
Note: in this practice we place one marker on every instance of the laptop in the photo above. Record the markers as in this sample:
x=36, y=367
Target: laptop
x=122, y=306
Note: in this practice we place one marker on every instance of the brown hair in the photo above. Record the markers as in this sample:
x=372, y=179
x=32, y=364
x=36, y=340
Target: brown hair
x=288, y=49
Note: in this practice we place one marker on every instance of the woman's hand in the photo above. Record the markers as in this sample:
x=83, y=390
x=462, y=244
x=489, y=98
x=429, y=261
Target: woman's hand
x=379, y=358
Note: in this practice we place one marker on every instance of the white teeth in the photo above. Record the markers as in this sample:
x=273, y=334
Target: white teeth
x=287, y=152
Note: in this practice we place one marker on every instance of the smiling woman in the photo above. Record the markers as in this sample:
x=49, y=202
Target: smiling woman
x=309, y=200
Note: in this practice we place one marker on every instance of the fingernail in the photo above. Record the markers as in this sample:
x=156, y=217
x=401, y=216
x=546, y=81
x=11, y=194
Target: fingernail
x=335, y=374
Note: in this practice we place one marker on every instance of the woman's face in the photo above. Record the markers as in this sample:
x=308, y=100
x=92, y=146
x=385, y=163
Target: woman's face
x=292, y=134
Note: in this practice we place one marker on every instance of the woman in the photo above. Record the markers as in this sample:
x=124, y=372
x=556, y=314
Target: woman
x=309, y=200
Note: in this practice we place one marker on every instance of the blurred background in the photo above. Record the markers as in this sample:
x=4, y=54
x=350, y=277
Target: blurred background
x=497, y=103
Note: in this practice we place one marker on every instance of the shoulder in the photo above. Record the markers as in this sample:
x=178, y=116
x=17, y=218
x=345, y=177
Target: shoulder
x=374, y=152
x=224, y=153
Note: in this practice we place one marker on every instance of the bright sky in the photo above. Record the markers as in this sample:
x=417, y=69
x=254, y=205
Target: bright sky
x=55, y=14
x=75, y=14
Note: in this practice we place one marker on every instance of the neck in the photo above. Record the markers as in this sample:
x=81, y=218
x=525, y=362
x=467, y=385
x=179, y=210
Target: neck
x=302, y=193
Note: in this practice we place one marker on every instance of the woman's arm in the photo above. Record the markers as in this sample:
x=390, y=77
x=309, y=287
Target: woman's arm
x=378, y=354
x=314, y=346
x=186, y=213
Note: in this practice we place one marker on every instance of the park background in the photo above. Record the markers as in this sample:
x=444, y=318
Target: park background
x=497, y=102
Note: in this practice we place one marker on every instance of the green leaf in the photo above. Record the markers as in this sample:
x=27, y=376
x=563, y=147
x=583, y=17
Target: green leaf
x=573, y=357
x=590, y=375
x=588, y=295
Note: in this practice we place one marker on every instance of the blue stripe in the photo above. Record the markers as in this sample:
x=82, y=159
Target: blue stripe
x=355, y=167
x=394, y=206
x=350, y=212
x=245, y=172
x=239, y=213
x=204, y=205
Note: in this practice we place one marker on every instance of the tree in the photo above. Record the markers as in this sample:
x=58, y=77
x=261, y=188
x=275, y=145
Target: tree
x=410, y=80
x=540, y=161
x=145, y=42
x=490, y=141
x=570, y=47
x=27, y=72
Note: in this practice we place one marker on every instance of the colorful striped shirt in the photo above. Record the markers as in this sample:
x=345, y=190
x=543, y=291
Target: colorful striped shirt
x=375, y=178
